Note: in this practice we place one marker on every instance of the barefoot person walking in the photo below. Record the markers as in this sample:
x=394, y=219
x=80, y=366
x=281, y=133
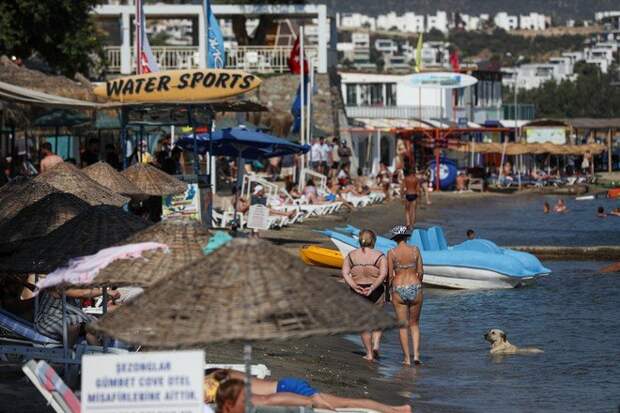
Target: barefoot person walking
x=406, y=271
x=410, y=189
x=364, y=270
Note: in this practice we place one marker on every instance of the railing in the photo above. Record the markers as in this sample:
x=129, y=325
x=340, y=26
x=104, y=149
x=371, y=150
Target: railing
x=259, y=59
x=394, y=112
x=479, y=114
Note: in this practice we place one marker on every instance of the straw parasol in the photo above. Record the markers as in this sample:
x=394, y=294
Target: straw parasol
x=246, y=291
x=185, y=239
x=19, y=193
x=96, y=228
x=104, y=174
x=152, y=181
x=42, y=217
x=68, y=178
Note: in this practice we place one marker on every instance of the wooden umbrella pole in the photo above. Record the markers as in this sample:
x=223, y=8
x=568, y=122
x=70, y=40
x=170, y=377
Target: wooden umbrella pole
x=65, y=336
x=247, y=358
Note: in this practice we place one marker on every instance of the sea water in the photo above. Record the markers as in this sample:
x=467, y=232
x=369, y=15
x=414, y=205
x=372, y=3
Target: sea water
x=573, y=315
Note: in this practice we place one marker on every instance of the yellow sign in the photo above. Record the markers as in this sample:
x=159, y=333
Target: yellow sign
x=201, y=85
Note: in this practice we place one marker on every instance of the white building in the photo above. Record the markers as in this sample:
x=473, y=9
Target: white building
x=534, y=21
x=506, y=22
x=435, y=55
x=355, y=21
x=386, y=46
x=438, y=22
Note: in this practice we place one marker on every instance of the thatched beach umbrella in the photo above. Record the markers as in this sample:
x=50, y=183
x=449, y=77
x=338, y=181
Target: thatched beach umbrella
x=42, y=217
x=248, y=290
x=19, y=193
x=104, y=174
x=68, y=178
x=96, y=228
x=185, y=240
x=152, y=181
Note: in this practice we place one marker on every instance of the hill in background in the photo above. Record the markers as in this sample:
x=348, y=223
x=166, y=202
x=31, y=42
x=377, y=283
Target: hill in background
x=560, y=10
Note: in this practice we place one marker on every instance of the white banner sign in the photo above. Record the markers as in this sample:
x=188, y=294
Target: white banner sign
x=149, y=382
x=258, y=217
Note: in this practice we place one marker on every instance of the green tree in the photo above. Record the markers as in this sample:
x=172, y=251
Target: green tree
x=591, y=95
x=266, y=22
x=62, y=32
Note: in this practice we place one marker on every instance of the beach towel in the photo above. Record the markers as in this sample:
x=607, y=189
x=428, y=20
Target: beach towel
x=83, y=270
x=218, y=240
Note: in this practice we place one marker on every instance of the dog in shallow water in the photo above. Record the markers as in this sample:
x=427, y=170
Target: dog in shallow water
x=501, y=345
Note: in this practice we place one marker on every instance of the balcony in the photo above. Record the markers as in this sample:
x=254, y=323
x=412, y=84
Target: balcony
x=394, y=112
x=255, y=59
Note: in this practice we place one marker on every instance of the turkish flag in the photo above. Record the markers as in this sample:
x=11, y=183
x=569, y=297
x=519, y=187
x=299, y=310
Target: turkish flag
x=454, y=61
x=294, y=60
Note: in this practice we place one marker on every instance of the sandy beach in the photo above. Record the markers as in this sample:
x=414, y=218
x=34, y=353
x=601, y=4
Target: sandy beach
x=334, y=364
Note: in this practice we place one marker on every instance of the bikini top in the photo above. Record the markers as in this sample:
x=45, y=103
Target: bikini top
x=365, y=270
x=402, y=266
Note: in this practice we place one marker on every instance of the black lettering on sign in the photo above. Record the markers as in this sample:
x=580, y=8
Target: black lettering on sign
x=139, y=85
x=150, y=85
x=247, y=81
x=196, y=78
x=128, y=88
x=114, y=88
x=235, y=79
x=221, y=81
x=183, y=81
x=163, y=83
x=209, y=79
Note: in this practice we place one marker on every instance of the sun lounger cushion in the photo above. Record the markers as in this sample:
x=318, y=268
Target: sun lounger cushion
x=23, y=328
x=53, y=383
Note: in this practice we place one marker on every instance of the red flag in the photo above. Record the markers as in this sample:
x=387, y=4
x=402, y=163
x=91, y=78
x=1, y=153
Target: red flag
x=294, y=63
x=454, y=61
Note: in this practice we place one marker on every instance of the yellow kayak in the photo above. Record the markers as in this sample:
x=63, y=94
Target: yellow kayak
x=322, y=257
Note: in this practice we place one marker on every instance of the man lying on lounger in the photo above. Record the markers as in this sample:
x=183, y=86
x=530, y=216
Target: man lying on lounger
x=225, y=388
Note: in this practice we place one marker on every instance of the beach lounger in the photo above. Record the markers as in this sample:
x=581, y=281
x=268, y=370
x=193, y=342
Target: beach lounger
x=57, y=394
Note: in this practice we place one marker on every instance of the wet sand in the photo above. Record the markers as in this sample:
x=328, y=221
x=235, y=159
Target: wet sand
x=331, y=364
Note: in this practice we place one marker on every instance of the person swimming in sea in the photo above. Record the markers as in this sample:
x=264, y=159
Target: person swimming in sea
x=410, y=189
x=600, y=212
x=560, y=207
x=471, y=234
x=546, y=207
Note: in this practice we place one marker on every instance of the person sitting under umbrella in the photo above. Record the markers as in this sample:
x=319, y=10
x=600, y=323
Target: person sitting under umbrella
x=225, y=388
x=48, y=320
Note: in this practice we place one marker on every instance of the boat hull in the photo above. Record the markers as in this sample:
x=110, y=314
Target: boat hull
x=462, y=278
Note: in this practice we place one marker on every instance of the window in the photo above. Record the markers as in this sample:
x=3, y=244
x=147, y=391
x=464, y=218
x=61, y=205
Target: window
x=390, y=94
x=376, y=94
x=351, y=94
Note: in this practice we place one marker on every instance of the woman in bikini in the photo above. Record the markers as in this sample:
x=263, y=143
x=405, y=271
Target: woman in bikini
x=409, y=190
x=365, y=270
x=406, y=272
x=288, y=391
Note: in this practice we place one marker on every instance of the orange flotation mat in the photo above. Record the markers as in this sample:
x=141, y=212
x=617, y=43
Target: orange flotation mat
x=322, y=257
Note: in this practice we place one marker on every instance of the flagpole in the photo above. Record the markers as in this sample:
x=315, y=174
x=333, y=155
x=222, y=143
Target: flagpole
x=138, y=37
x=309, y=91
x=302, y=87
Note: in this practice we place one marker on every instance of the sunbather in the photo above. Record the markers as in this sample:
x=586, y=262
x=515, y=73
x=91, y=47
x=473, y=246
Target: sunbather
x=49, y=318
x=225, y=388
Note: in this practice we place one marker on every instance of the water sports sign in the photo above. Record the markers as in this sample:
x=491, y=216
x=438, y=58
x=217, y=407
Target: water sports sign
x=153, y=382
x=199, y=85
x=440, y=80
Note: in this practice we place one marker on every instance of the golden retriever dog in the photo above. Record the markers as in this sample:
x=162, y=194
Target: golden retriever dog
x=501, y=345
